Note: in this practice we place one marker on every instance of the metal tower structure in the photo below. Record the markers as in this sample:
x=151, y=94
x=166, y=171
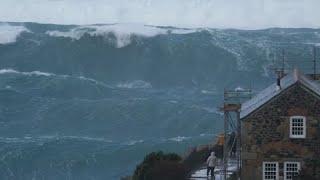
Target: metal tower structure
x=308, y=66
x=232, y=128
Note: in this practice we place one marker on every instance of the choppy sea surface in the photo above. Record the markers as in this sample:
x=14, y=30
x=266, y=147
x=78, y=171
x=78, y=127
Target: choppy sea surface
x=88, y=102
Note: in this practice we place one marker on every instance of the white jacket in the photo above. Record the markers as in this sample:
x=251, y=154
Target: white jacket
x=212, y=160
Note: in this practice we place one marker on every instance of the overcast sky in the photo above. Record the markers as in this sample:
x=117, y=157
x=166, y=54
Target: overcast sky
x=244, y=14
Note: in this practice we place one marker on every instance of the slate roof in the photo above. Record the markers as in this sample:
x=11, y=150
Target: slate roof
x=272, y=91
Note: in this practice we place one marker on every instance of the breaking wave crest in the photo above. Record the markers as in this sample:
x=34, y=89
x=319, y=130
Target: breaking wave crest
x=122, y=32
x=10, y=33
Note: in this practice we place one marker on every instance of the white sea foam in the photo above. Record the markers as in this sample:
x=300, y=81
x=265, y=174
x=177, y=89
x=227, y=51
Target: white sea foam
x=122, y=32
x=10, y=33
x=28, y=139
x=86, y=138
x=239, y=88
x=207, y=109
x=133, y=142
x=36, y=73
x=314, y=44
x=206, y=134
x=47, y=74
x=208, y=91
x=173, y=101
x=75, y=33
x=94, y=81
x=212, y=110
x=179, y=138
x=11, y=140
x=137, y=84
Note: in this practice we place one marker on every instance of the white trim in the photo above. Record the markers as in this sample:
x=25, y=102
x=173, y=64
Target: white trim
x=304, y=127
x=264, y=170
x=285, y=168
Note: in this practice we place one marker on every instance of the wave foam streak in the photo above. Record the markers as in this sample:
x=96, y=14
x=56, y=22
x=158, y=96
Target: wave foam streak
x=47, y=74
x=122, y=32
x=9, y=33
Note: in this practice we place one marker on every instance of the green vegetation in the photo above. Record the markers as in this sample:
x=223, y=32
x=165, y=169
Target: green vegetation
x=159, y=166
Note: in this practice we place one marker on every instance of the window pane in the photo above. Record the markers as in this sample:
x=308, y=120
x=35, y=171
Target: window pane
x=291, y=169
x=270, y=170
x=297, y=126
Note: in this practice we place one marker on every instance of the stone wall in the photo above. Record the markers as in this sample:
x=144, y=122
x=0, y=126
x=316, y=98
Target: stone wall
x=265, y=132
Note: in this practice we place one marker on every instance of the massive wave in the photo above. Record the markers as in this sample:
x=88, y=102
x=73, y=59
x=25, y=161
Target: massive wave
x=87, y=102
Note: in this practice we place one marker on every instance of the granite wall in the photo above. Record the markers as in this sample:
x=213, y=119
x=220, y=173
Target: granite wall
x=266, y=132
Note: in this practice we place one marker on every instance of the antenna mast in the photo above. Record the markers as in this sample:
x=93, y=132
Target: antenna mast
x=280, y=71
x=283, y=64
x=314, y=63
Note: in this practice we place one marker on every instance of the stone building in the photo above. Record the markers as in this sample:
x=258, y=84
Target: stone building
x=281, y=130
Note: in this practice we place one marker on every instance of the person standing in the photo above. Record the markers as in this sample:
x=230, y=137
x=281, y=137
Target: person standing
x=211, y=164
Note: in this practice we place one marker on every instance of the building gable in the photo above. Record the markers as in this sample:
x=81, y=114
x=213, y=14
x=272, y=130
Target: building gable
x=272, y=92
x=266, y=132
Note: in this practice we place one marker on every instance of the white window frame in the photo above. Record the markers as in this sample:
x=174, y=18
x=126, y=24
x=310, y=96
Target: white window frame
x=303, y=135
x=285, y=169
x=264, y=170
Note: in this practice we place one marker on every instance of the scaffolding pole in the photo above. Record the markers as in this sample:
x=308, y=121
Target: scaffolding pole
x=232, y=129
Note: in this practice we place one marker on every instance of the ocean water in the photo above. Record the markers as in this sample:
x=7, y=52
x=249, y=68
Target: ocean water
x=88, y=102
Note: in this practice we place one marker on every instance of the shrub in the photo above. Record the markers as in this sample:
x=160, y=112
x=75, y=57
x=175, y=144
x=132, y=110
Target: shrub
x=159, y=166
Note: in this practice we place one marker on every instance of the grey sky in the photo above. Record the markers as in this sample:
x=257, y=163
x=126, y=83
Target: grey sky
x=246, y=14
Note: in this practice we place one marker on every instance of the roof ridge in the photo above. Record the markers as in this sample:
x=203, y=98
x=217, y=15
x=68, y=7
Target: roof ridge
x=272, y=91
